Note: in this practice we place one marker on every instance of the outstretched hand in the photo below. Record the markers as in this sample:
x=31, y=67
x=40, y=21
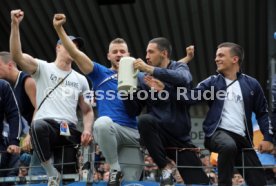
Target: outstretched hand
x=154, y=83
x=17, y=16
x=59, y=20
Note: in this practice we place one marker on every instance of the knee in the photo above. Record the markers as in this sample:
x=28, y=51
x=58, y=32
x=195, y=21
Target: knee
x=145, y=122
x=102, y=123
x=229, y=149
x=39, y=126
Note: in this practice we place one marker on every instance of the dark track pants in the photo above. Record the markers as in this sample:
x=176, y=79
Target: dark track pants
x=229, y=147
x=156, y=140
x=45, y=135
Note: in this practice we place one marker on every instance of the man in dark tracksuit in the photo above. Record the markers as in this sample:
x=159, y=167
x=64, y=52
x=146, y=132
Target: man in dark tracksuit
x=167, y=122
x=25, y=93
x=273, y=112
x=232, y=98
x=9, y=112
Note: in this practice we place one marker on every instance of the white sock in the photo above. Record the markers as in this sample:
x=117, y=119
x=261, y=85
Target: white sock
x=49, y=168
x=115, y=166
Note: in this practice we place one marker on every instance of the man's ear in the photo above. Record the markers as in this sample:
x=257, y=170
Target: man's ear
x=164, y=53
x=10, y=64
x=236, y=59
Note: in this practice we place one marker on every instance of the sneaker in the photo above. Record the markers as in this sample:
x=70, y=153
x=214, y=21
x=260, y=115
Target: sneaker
x=166, y=178
x=115, y=178
x=54, y=181
x=85, y=170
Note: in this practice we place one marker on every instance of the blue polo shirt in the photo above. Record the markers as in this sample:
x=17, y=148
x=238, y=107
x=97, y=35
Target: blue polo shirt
x=108, y=101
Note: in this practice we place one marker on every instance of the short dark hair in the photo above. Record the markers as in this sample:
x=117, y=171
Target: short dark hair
x=235, y=50
x=163, y=44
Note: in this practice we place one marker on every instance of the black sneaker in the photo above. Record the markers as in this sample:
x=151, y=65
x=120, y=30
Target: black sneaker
x=166, y=178
x=115, y=178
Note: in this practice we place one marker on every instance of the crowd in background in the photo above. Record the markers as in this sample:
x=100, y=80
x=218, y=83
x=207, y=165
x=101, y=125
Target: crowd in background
x=151, y=172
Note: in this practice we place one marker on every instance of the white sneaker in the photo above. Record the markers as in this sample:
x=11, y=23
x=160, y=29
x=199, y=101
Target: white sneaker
x=54, y=181
x=166, y=178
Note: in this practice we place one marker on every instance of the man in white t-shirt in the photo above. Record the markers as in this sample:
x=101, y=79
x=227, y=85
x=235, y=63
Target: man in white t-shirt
x=228, y=125
x=55, y=120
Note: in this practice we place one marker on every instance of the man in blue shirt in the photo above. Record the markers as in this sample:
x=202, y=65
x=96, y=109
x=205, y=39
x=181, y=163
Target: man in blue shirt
x=114, y=129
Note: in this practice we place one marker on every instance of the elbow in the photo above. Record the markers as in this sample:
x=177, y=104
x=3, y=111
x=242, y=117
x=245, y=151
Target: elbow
x=74, y=53
x=17, y=57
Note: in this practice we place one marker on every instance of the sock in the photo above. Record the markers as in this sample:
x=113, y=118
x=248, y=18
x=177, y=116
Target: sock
x=49, y=168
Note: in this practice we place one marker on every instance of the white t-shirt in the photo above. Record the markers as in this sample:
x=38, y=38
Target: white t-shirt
x=233, y=109
x=62, y=102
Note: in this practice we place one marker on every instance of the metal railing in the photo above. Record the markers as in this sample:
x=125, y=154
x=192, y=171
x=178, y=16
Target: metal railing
x=88, y=155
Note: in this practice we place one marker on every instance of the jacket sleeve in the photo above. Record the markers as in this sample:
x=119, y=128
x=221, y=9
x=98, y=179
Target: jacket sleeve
x=273, y=107
x=180, y=76
x=12, y=114
x=261, y=111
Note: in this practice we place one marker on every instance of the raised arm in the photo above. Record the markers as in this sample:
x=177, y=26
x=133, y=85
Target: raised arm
x=26, y=62
x=190, y=51
x=82, y=60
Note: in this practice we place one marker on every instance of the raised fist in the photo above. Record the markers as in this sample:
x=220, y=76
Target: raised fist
x=17, y=16
x=59, y=20
x=190, y=50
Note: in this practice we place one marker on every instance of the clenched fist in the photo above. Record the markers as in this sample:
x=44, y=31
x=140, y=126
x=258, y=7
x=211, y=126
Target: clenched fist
x=59, y=20
x=190, y=50
x=17, y=16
